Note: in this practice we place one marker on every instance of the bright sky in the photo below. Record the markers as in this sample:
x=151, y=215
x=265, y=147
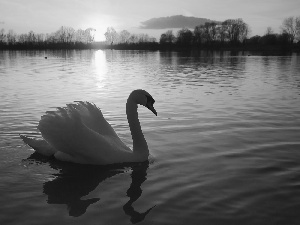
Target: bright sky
x=46, y=16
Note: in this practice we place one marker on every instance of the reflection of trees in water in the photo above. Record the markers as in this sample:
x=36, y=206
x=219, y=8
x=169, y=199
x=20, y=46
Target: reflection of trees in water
x=76, y=181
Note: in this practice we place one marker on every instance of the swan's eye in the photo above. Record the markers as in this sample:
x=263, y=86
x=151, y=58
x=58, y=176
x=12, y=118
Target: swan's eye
x=150, y=99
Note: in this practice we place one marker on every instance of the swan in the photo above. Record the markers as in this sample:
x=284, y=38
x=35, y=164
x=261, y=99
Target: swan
x=79, y=133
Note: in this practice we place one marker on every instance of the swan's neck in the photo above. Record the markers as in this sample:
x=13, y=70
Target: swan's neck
x=140, y=146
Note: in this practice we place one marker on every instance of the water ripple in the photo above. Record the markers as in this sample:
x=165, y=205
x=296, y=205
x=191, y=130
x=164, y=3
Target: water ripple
x=225, y=141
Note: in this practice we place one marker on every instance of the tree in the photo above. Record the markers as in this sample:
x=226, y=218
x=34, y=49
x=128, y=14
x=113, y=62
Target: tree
x=50, y=38
x=269, y=38
x=163, y=39
x=23, y=38
x=61, y=34
x=11, y=37
x=283, y=39
x=291, y=26
x=2, y=36
x=254, y=40
x=167, y=37
x=133, y=38
x=210, y=31
x=40, y=38
x=269, y=31
x=111, y=35
x=70, y=34
x=143, y=38
x=236, y=29
x=79, y=36
x=89, y=35
x=184, y=36
x=221, y=30
x=170, y=36
x=31, y=37
x=199, y=36
x=124, y=36
x=152, y=39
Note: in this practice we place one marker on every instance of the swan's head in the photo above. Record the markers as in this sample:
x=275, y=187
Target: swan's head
x=142, y=97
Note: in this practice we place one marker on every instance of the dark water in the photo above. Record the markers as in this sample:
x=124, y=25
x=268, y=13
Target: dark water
x=226, y=142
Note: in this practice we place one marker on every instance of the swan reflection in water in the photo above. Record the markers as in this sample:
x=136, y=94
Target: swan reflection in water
x=76, y=181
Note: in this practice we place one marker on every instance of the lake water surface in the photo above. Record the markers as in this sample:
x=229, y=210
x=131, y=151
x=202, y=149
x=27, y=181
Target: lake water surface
x=225, y=143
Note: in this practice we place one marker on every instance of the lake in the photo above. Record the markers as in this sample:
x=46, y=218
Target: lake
x=225, y=143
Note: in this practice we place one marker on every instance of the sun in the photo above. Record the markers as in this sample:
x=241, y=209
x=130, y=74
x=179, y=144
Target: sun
x=99, y=34
x=100, y=23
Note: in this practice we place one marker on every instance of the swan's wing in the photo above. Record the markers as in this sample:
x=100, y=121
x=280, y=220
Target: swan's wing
x=92, y=117
x=64, y=130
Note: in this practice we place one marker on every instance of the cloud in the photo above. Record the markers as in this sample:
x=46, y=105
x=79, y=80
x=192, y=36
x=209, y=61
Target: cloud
x=173, y=22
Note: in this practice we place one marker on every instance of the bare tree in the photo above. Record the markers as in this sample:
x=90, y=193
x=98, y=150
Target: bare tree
x=23, y=38
x=170, y=36
x=291, y=26
x=167, y=37
x=50, y=38
x=2, y=36
x=40, y=38
x=11, y=37
x=124, y=36
x=79, y=36
x=89, y=35
x=61, y=34
x=236, y=29
x=111, y=35
x=298, y=28
x=143, y=38
x=133, y=38
x=70, y=33
x=31, y=38
x=152, y=39
x=269, y=31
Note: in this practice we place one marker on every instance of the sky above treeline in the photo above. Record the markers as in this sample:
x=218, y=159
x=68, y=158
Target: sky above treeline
x=46, y=16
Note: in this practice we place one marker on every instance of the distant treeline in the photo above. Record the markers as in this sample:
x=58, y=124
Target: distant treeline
x=230, y=34
x=63, y=38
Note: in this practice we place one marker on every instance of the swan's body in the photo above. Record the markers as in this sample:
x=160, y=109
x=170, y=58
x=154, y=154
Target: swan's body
x=79, y=133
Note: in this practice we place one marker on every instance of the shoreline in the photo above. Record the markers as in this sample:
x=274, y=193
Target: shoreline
x=154, y=46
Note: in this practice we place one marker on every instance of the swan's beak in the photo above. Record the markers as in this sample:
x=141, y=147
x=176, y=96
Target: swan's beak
x=150, y=107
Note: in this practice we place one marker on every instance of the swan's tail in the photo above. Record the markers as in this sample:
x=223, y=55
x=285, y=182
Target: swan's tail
x=39, y=145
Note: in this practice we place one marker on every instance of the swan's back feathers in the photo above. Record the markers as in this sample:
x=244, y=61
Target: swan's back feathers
x=93, y=118
x=85, y=112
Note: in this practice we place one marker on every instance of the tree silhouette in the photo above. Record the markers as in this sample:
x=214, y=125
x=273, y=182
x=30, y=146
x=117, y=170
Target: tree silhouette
x=184, y=37
x=291, y=26
x=124, y=36
x=231, y=33
x=167, y=37
x=111, y=35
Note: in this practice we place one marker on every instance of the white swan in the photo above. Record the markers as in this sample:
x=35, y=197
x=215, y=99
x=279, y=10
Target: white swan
x=79, y=133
